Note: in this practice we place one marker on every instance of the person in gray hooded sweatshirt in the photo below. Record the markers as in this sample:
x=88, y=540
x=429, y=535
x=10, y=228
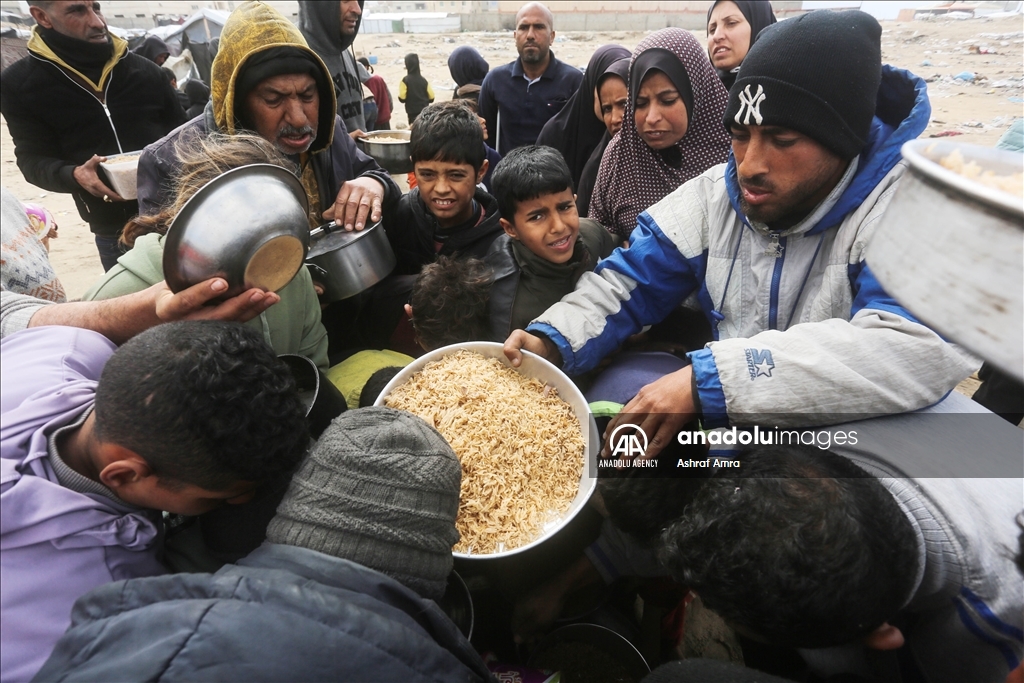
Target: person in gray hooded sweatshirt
x=330, y=28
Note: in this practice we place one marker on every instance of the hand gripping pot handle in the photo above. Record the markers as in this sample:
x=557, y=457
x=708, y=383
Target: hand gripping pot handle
x=347, y=263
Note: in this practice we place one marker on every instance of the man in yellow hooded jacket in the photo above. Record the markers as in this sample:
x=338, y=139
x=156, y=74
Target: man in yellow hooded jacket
x=267, y=80
x=79, y=96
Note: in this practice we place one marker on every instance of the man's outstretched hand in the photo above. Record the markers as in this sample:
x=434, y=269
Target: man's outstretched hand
x=192, y=303
x=88, y=179
x=357, y=200
x=660, y=409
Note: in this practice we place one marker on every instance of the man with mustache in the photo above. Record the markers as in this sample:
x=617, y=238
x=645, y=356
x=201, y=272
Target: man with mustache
x=79, y=96
x=266, y=79
x=771, y=245
x=518, y=98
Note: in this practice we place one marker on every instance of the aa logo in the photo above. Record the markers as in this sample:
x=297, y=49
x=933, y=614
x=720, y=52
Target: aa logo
x=628, y=441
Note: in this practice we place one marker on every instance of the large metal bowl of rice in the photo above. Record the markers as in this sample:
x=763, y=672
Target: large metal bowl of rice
x=486, y=422
x=950, y=246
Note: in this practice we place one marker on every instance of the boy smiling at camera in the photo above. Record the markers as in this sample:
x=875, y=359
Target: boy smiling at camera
x=546, y=247
x=446, y=214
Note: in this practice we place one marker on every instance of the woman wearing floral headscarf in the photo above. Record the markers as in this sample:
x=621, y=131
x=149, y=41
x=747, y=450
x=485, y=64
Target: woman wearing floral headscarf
x=672, y=130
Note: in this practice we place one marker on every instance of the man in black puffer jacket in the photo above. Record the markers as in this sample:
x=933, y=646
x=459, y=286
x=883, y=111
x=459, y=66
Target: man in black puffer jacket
x=343, y=590
x=78, y=96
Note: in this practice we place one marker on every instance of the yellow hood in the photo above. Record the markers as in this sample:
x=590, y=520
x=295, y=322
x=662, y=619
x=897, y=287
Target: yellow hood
x=37, y=45
x=251, y=29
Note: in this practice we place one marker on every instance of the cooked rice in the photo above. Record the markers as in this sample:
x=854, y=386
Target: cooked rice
x=1013, y=183
x=520, y=446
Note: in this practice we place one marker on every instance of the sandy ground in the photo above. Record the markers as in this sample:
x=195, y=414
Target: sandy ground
x=980, y=110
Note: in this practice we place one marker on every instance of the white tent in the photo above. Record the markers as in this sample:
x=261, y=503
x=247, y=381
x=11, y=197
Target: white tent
x=199, y=35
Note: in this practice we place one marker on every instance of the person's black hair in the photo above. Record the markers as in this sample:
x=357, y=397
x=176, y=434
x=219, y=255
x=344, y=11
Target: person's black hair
x=169, y=75
x=449, y=132
x=203, y=403
x=376, y=383
x=526, y=173
x=644, y=507
x=450, y=302
x=800, y=546
x=365, y=62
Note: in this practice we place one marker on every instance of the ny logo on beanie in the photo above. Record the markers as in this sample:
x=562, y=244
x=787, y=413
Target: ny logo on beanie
x=750, y=105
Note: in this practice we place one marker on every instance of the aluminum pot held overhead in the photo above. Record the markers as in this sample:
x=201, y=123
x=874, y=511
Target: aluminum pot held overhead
x=347, y=263
x=248, y=226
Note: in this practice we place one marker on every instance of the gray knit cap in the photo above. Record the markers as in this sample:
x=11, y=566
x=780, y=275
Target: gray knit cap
x=380, y=488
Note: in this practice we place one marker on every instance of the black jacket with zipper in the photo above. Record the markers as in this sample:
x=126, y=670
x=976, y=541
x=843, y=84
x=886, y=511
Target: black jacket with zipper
x=57, y=124
x=412, y=231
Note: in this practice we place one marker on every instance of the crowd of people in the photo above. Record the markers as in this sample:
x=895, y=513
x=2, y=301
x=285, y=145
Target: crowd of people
x=681, y=229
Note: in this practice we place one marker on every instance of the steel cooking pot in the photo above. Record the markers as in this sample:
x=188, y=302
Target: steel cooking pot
x=347, y=263
x=390, y=149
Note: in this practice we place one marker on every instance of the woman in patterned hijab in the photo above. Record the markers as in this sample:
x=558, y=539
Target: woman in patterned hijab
x=672, y=130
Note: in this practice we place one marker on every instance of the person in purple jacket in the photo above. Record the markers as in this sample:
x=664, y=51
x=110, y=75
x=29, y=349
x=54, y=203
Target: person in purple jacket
x=183, y=418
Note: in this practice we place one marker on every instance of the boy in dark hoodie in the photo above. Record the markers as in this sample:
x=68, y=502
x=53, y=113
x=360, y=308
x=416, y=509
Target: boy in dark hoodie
x=446, y=213
x=414, y=89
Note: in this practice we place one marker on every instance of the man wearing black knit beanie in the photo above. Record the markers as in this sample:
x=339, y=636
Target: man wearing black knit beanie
x=771, y=246
x=828, y=100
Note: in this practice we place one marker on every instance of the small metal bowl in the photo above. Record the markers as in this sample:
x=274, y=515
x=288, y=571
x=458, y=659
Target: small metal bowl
x=347, y=263
x=393, y=153
x=122, y=172
x=950, y=249
x=248, y=226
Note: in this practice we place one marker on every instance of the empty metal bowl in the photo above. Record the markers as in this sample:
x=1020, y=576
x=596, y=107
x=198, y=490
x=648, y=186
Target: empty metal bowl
x=248, y=226
x=580, y=650
x=390, y=148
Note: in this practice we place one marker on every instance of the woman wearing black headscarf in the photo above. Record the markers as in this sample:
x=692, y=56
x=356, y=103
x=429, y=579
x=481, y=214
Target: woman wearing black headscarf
x=612, y=98
x=577, y=129
x=732, y=28
x=198, y=94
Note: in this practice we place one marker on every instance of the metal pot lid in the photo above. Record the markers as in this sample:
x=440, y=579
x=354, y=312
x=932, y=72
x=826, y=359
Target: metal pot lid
x=337, y=239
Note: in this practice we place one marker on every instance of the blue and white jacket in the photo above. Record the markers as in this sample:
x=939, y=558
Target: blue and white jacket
x=801, y=335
